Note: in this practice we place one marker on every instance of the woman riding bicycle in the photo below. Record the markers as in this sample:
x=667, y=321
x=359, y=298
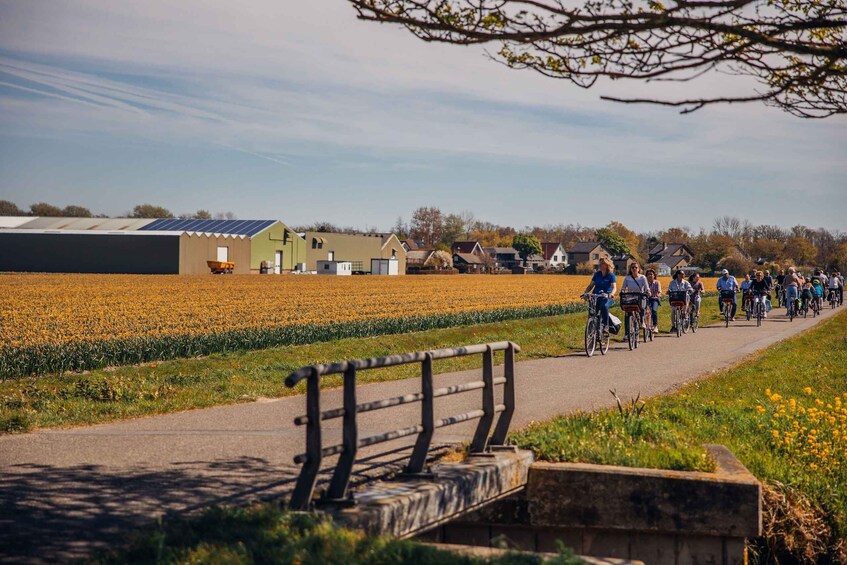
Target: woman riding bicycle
x=655, y=297
x=679, y=284
x=605, y=282
x=760, y=289
x=634, y=282
x=697, y=292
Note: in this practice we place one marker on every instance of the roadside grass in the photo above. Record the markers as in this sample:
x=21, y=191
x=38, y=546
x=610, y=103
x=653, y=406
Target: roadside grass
x=783, y=413
x=110, y=394
x=265, y=534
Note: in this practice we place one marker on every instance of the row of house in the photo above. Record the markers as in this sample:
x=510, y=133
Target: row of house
x=471, y=257
x=186, y=246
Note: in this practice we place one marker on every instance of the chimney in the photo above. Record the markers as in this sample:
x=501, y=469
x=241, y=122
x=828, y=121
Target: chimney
x=664, y=246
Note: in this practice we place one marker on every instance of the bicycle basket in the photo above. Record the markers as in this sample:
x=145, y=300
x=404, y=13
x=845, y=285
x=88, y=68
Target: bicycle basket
x=727, y=295
x=631, y=299
x=677, y=297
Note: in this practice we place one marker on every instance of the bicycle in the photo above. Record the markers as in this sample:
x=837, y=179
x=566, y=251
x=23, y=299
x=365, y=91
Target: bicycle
x=759, y=306
x=693, y=316
x=747, y=304
x=727, y=299
x=633, y=304
x=594, y=331
x=794, y=309
x=833, y=298
x=679, y=308
x=815, y=305
x=648, y=329
x=780, y=295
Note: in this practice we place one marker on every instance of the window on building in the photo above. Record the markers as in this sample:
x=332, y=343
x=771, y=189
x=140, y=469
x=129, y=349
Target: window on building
x=595, y=256
x=314, y=243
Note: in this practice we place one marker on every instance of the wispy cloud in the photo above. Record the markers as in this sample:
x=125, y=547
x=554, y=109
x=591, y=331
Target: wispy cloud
x=306, y=85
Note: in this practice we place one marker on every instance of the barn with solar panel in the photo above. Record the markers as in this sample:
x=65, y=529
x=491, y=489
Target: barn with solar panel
x=163, y=246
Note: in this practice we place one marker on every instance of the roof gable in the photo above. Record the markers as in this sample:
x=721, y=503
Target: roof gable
x=548, y=250
x=587, y=247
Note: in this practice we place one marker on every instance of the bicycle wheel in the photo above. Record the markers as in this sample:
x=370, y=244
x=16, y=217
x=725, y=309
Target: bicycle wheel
x=632, y=332
x=590, y=336
x=748, y=311
x=604, y=342
x=759, y=313
x=686, y=320
x=695, y=322
x=726, y=311
x=677, y=321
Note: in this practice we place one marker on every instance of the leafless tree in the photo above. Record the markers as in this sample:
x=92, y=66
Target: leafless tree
x=427, y=225
x=795, y=49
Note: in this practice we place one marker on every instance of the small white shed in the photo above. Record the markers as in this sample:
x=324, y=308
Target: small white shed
x=335, y=268
x=385, y=267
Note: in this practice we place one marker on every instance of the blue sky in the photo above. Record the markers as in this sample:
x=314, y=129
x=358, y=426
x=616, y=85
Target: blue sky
x=297, y=111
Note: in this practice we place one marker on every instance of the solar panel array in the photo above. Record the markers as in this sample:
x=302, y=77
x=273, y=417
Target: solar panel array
x=232, y=227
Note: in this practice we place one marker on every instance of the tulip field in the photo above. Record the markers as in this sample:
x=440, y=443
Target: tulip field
x=56, y=323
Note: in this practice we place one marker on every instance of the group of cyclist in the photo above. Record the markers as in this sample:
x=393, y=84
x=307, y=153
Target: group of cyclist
x=756, y=290
x=810, y=291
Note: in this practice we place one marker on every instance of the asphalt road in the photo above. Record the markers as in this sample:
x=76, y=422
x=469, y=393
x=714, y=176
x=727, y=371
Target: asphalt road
x=64, y=492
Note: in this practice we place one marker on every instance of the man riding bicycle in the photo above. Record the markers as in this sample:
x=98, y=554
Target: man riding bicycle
x=728, y=283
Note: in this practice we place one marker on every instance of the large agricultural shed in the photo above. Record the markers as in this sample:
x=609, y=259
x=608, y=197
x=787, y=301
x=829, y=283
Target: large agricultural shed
x=139, y=246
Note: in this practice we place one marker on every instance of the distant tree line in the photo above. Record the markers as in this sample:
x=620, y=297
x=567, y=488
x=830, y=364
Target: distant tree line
x=730, y=243
x=151, y=211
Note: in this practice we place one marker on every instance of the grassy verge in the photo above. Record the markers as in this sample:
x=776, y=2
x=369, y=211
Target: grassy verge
x=783, y=414
x=264, y=534
x=224, y=378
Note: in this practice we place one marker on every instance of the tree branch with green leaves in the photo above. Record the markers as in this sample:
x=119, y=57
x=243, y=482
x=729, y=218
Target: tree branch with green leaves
x=796, y=50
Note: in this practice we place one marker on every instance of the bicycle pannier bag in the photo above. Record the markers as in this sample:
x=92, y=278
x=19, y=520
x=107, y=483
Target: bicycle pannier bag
x=614, y=324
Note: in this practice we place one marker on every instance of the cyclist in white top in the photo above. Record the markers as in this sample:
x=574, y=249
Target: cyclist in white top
x=679, y=284
x=634, y=282
x=836, y=286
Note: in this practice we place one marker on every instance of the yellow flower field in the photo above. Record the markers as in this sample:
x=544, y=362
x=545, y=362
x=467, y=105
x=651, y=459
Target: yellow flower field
x=50, y=312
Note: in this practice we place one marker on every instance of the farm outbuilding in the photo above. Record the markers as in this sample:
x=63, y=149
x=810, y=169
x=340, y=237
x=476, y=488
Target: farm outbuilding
x=359, y=249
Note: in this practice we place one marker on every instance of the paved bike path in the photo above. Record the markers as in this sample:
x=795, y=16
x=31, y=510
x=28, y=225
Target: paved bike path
x=63, y=492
